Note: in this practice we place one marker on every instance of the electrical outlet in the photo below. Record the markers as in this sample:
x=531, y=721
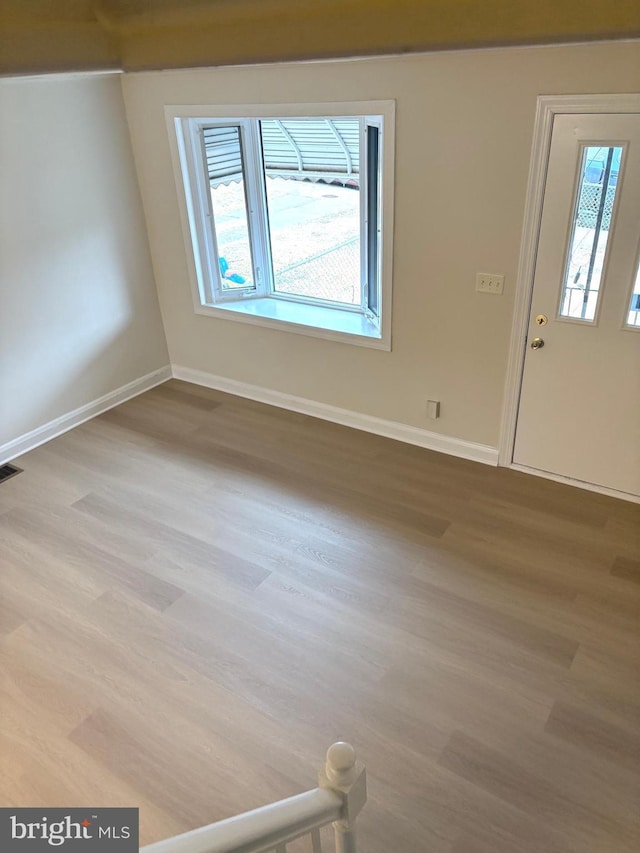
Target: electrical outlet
x=487, y=282
x=433, y=409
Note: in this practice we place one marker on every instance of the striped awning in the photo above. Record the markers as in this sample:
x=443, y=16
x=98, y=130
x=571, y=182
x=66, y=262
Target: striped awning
x=313, y=149
x=224, y=155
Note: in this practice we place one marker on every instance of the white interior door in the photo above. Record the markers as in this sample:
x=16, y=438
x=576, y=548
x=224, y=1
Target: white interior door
x=579, y=411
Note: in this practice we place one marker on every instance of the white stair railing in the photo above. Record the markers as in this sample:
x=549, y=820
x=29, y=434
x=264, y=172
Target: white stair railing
x=341, y=794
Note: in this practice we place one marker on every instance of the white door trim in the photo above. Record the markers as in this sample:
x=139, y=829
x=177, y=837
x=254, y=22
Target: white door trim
x=548, y=107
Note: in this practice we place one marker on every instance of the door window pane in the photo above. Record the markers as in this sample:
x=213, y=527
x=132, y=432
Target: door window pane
x=313, y=203
x=225, y=166
x=633, y=318
x=595, y=197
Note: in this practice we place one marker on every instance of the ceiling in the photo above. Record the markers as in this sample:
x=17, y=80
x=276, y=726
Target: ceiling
x=41, y=35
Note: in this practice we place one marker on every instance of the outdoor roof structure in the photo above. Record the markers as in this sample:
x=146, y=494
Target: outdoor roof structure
x=312, y=149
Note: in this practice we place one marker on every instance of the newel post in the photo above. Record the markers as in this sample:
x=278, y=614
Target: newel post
x=347, y=777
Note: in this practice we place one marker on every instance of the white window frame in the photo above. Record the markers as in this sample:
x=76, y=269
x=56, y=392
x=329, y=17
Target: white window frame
x=259, y=305
x=582, y=148
x=635, y=273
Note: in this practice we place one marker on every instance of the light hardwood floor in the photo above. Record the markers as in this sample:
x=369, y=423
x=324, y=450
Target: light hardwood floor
x=201, y=593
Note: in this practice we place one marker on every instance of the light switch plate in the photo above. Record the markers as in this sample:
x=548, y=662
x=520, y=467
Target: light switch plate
x=487, y=282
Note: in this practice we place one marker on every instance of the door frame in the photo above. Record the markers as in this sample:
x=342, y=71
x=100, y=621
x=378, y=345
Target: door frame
x=548, y=106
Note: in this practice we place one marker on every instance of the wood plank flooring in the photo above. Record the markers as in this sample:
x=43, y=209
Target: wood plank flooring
x=200, y=593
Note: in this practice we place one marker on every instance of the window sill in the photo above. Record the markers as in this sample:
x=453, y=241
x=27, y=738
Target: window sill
x=317, y=321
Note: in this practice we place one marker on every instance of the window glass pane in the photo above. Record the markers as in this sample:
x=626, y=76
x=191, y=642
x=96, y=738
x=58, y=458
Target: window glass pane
x=229, y=205
x=373, y=224
x=634, y=306
x=313, y=201
x=596, y=193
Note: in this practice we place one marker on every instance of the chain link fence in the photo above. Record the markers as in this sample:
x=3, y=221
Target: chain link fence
x=332, y=274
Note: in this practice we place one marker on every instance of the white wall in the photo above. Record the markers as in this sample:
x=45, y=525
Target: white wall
x=78, y=306
x=464, y=131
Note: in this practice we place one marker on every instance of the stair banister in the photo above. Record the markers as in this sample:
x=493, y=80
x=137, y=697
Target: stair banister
x=338, y=800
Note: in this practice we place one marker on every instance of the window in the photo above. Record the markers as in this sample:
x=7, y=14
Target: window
x=288, y=217
x=633, y=314
x=593, y=212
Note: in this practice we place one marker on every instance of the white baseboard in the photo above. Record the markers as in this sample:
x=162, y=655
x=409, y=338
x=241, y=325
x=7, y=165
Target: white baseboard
x=346, y=417
x=33, y=439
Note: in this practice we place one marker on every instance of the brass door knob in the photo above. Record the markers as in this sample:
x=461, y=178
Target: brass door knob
x=537, y=343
